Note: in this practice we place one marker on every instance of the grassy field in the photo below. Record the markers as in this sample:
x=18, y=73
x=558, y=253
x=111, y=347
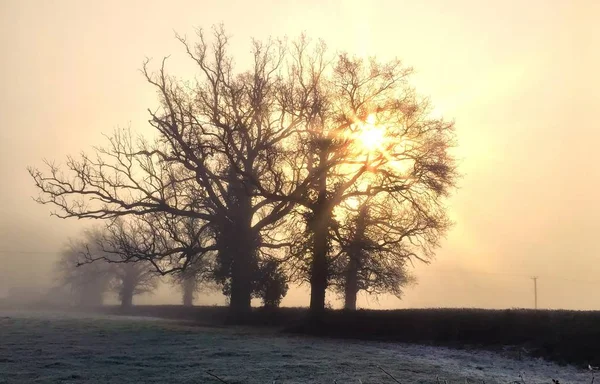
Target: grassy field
x=561, y=336
x=54, y=347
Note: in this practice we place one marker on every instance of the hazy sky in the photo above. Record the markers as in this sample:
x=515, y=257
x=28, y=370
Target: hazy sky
x=519, y=77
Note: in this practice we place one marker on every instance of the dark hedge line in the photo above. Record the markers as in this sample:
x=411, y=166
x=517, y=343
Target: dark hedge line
x=561, y=336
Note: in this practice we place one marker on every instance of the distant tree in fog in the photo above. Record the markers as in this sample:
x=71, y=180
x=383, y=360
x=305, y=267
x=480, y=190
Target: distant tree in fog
x=85, y=285
x=188, y=289
x=166, y=244
x=131, y=279
x=89, y=282
x=190, y=282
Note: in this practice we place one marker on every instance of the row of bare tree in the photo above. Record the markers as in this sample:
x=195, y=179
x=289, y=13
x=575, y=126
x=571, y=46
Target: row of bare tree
x=324, y=169
x=85, y=284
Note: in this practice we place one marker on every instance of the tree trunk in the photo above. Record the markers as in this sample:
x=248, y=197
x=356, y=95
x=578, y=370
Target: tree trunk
x=320, y=233
x=126, y=293
x=318, y=278
x=126, y=298
x=244, y=257
x=351, y=283
x=241, y=286
x=355, y=259
x=189, y=286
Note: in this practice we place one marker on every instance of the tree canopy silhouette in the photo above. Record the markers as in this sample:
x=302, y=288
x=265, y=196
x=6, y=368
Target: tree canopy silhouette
x=243, y=162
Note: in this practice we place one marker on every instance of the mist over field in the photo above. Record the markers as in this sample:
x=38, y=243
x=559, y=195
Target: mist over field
x=299, y=192
x=522, y=101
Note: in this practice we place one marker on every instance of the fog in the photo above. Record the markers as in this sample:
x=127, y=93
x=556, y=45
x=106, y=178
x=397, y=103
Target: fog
x=520, y=80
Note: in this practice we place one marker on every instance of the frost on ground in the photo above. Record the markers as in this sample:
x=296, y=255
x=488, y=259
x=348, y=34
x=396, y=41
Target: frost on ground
x=58, y=348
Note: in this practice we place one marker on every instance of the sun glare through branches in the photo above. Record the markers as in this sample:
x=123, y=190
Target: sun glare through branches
x=371, y=136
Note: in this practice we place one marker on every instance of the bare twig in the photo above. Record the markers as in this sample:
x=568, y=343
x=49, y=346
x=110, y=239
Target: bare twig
x=216, y=377
x=392, y=377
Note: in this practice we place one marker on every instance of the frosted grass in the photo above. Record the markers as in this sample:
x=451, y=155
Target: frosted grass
x=40, y=347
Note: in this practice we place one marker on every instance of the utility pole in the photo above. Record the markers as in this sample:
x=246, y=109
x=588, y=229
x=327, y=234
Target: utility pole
x=535, y=290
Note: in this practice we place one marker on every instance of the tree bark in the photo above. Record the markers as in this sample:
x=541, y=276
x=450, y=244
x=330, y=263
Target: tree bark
x=320, y=232
x=244, y=255
x=318, y=278
x=351, y=286
x=355, y=259
x=241, y=286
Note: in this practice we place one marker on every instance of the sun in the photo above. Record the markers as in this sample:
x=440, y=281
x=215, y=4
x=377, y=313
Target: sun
x=371, y=136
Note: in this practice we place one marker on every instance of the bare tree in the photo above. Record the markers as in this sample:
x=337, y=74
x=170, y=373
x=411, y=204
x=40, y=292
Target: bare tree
x=212, y=137
x=156, y=244
x=238, y=153
x=125, y=279
x=171, y=244
x=192, y=281
x=377, y=239
x=366, y=133
x=88, y=284
x=131, y=279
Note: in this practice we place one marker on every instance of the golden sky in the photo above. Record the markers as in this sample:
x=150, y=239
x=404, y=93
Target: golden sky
x=520, y=78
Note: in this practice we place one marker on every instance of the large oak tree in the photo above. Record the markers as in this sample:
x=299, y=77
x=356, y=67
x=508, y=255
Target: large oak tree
x=240, y=154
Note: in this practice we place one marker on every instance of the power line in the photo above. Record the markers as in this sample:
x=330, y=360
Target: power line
x=473, y=272
x=483, y=272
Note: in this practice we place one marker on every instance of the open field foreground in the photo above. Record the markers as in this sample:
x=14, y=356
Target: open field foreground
x=565, y=337
x=45, y=347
